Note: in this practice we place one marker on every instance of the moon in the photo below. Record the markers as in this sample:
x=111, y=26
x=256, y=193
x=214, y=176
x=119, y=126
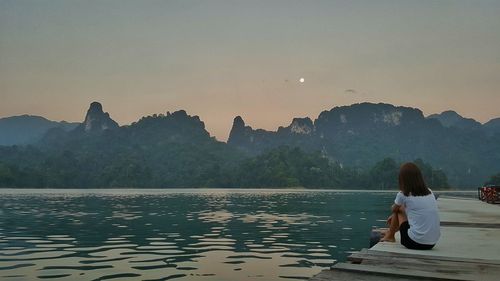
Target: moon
x=302, y=80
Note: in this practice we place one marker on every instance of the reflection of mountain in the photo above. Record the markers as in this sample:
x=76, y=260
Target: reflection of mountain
x=178, y=232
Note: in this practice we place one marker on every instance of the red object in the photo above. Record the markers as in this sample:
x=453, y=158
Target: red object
x=489, y=194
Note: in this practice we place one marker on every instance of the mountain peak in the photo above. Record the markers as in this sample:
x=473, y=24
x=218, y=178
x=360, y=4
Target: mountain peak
x=450, y=118
x=96, y=120
x=95, y=107
x=492, y=127
x=448, y=115
x=238, y=122
x=365, y=117
x=450, y=112
x=302, y=126
x=238, y=131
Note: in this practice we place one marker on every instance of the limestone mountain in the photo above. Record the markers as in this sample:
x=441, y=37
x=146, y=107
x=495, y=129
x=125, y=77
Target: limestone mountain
x=99, y=130
x=172, y=149
x=299, y=133
x=331, y=126
x=340, y=147
x=300, y=126
x=96, y=120
x=359, y=135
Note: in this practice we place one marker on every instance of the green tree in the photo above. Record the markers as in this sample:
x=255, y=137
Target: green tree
x=384, y=174
x=6, y=176
x=434, y=178
x=287, y=167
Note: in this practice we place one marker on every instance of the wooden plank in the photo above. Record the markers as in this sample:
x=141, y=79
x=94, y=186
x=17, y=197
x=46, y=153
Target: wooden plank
x=376, y=253
x=457, y=242
x=399, y=272
x=468, y=250
x=339, y=275
x=416, y=260
x=473, y=271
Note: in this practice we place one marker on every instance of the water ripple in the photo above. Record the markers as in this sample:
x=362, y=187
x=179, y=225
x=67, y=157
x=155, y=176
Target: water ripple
x=195, y=235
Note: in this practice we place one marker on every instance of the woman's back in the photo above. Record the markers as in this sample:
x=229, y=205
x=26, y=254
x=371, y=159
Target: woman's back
x=423, y=217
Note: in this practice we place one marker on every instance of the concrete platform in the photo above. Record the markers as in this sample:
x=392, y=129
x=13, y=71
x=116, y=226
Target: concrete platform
x=460, y=238
x=467, y=211
x=469, y=249
x=330, y=275
x=455, y=242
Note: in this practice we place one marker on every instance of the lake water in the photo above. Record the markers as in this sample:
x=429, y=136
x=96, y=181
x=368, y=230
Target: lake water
x=182, y=234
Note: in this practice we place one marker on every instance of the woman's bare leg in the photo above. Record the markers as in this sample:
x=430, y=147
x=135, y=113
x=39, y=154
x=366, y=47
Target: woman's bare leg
x=395, y=221
x=393, y=228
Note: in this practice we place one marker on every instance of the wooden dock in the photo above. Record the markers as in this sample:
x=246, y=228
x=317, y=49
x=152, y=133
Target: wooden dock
x=469, y=249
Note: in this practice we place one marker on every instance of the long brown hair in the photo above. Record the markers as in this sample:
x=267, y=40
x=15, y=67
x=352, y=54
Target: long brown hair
x=411, y=180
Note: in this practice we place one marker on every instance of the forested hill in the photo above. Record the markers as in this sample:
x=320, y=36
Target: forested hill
x=28, y=129
x=358, y=146
x=362, y=134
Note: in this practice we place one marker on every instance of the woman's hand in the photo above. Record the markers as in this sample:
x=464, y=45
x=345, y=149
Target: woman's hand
x=395, y=208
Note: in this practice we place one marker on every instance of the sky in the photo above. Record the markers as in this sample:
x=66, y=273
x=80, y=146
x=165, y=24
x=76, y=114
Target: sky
x=219, y=59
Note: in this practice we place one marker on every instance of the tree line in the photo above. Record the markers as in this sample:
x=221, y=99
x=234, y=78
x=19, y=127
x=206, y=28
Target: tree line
x=194, y=165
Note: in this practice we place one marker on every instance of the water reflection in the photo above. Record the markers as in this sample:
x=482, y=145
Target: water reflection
x=189, y=235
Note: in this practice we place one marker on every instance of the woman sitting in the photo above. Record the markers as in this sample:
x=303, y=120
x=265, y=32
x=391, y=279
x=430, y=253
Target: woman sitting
x=414, y=213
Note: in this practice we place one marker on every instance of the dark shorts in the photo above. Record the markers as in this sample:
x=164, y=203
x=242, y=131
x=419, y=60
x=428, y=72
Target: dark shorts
x=406, y=240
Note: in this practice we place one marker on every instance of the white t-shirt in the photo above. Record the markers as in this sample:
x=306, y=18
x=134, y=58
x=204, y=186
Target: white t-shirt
x=423, y=217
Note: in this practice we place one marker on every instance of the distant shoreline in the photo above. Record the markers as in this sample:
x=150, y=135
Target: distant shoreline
x=202, y=189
